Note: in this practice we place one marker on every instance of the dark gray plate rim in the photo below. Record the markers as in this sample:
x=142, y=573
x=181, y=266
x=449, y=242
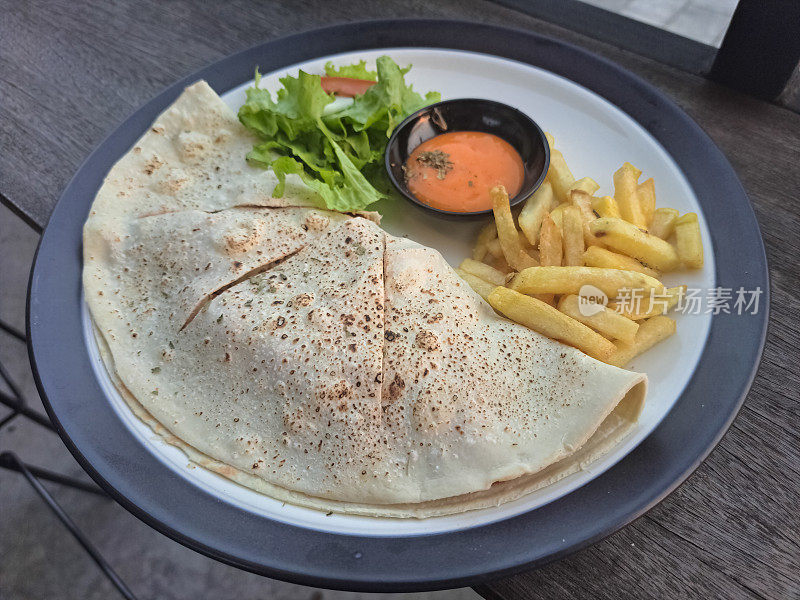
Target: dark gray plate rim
x=114, y=458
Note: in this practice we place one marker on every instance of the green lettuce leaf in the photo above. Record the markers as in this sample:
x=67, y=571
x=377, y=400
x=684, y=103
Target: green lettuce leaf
x=347, y=190
x=356, y=71
x=339, y=155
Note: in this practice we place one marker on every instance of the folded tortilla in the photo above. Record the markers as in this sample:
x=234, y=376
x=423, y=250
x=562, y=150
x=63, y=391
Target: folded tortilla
x=311, y=356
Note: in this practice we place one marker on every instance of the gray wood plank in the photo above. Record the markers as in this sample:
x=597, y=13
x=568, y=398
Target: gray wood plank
x=70, y=71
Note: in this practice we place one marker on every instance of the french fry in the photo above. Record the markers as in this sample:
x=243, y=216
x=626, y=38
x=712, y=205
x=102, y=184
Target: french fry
x=647, y=199
x=531, y=251
x=649, y=305
x=494, y=249
x=663, y=223
x=550, y=250
x=688, y=241
x=559, y=175
x=526, y=245
x=572, y=237
x=487, y=233
x=606, y=322
x=530, y=219
x=621, y=240
x=550, y=140
x=626, y=193
x=606, y=207
x=600, y=257
x=484, y=271
x=549, y=321
x=507, y=233
x=569, y=280
x=629, y=239
x=557, y=214
x=583, y=202
x=500, y=264
x=584, y=184
x=481, y=286
x=651, y=331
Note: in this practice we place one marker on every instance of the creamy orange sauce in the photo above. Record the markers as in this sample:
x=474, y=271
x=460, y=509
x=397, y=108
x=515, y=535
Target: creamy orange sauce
x=455, y=171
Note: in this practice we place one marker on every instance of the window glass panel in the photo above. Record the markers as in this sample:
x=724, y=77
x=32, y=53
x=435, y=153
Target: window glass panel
x=704, y=21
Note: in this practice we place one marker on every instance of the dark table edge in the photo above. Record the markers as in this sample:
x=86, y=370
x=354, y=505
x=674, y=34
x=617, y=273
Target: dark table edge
x=21, y=213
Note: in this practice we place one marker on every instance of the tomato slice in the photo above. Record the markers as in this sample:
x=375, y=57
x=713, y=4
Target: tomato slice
x=346, y=86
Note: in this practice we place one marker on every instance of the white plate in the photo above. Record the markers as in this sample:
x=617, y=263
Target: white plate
x=596, y=138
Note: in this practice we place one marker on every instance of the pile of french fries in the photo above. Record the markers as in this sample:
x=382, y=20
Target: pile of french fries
x=531, y=266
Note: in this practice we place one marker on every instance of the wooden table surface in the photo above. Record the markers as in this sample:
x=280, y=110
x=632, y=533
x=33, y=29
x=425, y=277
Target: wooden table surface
x=71, y=71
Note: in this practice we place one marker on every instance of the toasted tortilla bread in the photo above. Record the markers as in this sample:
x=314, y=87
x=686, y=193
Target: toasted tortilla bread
x=315, y=358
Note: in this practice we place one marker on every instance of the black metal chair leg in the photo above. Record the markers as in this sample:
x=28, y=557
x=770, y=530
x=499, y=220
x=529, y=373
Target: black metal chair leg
x=6, y=462
x=19, y=408
x=70, y=525
x=12, y=331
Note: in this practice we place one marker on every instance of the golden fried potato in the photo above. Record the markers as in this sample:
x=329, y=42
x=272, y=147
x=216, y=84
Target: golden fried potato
x=572, y=236
x=499, y=263
x=530, y=219
x=550, y=250
x=627, y=238
x=481, y=286
x=549, y=321
x=557, y=214
x=583, y=202
x=559, y=175
x=483, y=271
x=494, y=249
x=487, y=233
x=663, y=223
x=569, y=280
x=606, y=207
x=651, y=331
x=647, y=199
x=529, y=250
x=606, y=322
x=507, y=232
x=621, y=240
x=688, y=241
x=600, y=257
x=626, y=193
x=584, y=184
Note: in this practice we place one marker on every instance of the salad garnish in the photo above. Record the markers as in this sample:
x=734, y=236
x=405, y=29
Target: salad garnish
x=338, y=153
